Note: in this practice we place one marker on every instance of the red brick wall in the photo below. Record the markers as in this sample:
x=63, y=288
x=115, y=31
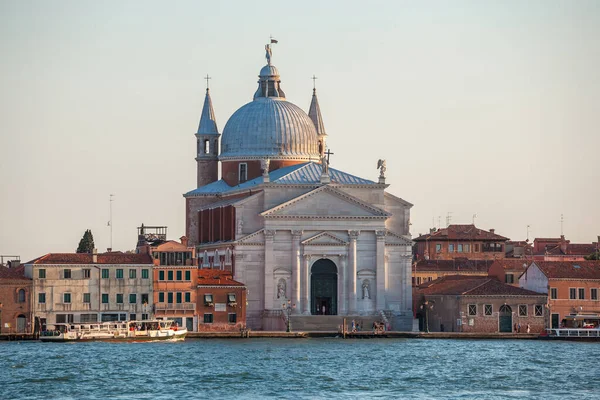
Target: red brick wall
x=230, y=169
x=444, y=254
x=11, y=307
x=220, y=318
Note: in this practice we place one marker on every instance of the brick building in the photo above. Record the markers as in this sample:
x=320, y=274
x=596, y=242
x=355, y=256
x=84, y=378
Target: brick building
x=460, y=241
x=508, y=270
x=430, y=270
x=572, y=288
x=15, y=301
x=477, y=304
x=83, y=287
x=221, y=301
x=561, y=249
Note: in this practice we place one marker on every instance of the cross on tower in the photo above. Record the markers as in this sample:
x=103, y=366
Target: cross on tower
x=314, y=78
x=328, y=153
x=207, y=78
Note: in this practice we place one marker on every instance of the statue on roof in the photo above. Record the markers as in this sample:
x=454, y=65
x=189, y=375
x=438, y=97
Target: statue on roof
x=381, y=166
x=268, y=54
x=324, y=165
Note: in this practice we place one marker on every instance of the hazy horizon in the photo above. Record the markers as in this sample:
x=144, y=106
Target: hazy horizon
x=478, y=108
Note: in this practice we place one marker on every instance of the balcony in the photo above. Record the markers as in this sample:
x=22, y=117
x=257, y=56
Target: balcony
x=175, y=306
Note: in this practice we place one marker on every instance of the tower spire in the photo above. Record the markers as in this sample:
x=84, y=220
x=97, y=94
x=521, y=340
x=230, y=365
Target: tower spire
x=208, y=122
x=207, y=143
x=314, y=112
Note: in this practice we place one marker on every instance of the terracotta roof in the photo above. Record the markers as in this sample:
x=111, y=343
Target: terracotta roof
x=472, y=286
x=207, y=276
x=171, y=245
x=513, y=265
x=457, y=264
x=461, y=232
x=573, y=249
x=570, y=269
x=13, y=273
x=86, y=258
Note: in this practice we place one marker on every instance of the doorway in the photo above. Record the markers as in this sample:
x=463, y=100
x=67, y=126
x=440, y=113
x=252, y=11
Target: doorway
x=505, y=319
x=21, y=323
x=323, y=288
x=555, y=319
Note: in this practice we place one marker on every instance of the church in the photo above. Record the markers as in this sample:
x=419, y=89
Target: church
x=313, y=244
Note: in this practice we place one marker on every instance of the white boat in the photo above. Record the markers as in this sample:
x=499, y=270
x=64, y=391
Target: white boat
x=115, y=331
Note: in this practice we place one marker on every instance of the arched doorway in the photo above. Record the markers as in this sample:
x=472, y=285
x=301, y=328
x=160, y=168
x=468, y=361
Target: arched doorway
x=505, y=319
x=323, y=288
x=21, y=323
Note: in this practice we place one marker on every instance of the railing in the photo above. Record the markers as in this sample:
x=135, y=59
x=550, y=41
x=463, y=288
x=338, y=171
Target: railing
x=175, y=306
x=573, y=332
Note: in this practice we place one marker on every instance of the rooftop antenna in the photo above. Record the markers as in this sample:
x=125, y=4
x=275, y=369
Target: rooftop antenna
x=562, y=220
x=448, y=218
x=528, y=232
x=110, y=201
x=474, y=216
x=439, y=221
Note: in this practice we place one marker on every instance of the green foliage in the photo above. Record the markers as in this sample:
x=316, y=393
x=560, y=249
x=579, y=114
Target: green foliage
x=593, y=256
x=86, y=244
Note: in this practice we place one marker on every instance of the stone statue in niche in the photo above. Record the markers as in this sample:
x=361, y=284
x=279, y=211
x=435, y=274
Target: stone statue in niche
x=281, y=289
x=365, y=289
x=240, y=225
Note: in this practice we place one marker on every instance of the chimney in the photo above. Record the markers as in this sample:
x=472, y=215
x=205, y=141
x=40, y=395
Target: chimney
x=563, y=244
x=492, y=230
x=95, y=255
x=184, y=240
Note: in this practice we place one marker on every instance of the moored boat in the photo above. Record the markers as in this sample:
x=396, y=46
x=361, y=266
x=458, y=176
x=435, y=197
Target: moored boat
x=115, y=331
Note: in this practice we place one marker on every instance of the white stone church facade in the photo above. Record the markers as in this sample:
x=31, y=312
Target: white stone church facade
x=295, y=231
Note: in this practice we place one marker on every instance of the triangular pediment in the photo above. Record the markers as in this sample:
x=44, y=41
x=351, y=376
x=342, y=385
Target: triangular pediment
x=392, y=238
x=326, y=202
x=256, y=238
x=324, y=239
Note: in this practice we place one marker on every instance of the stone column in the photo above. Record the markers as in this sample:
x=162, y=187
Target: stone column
x=343, y=285
x=306, y=285
x=352, y=272
x=381, y=270
x=296, y=274
x=269, y=264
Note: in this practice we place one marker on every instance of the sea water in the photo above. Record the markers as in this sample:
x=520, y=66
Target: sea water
x=301, y=368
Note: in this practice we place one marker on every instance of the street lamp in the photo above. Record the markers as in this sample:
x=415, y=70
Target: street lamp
x=288, y=307
x=426, y=306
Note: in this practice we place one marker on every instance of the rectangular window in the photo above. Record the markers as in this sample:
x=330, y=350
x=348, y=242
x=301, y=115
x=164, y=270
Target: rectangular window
x=509, y=278
x=243, y=172
x=179, y=275
x=459, y=248
x=145, y=274
x=450, y=248
x=105, y=273
x=145, y=298
x=132, y=298
x=476, y=248
x=67, y=274
x=42, y=298
x=208, y=299
x=581, y=294
x=208, y=318
x=144, y=317
x=188, y=275
x=119, y=274
x=132, y=274
x=594, y=294
x=87, y=298
x=429, y=278
x=467, y=248
x=522, y=310
x=487, y=310
x=132, y=317
x=418, y=280
x=161, y=275
x=86, y=273
x=438, y=248
x=553, y=293
x=170, y=297
x=472, y=309
x=119, y=298
x=538, y=311
x=231, y=298
x=179, y=297
x=170, y=275
x=41, y=273
x=66, y=298
x=104, y=298
x=161, y=297
x=572, y=294
x=188, y=297
x=232, y=318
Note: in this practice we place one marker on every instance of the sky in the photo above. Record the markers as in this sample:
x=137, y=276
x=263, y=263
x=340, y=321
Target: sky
x=479, y=107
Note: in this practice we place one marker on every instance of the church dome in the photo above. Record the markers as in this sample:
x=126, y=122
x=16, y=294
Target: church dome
x=269, y=70
x=269, y=127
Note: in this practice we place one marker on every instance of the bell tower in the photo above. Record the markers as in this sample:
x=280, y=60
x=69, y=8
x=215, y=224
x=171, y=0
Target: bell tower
x=207, y=143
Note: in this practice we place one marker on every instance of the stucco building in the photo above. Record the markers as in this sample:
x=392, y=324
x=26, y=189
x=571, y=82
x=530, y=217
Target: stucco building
x=460, y=241
x=508, y=270
x=175, y=294
x=561, y=249
x=15, y=301
x=288, y=225
x=82, y=287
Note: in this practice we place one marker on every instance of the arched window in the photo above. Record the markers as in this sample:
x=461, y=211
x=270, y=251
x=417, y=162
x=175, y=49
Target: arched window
x=243, y=173
x=21, y=297
x=206, y=146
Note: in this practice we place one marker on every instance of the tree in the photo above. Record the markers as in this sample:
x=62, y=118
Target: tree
x=593, y=256
x=86, y=244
